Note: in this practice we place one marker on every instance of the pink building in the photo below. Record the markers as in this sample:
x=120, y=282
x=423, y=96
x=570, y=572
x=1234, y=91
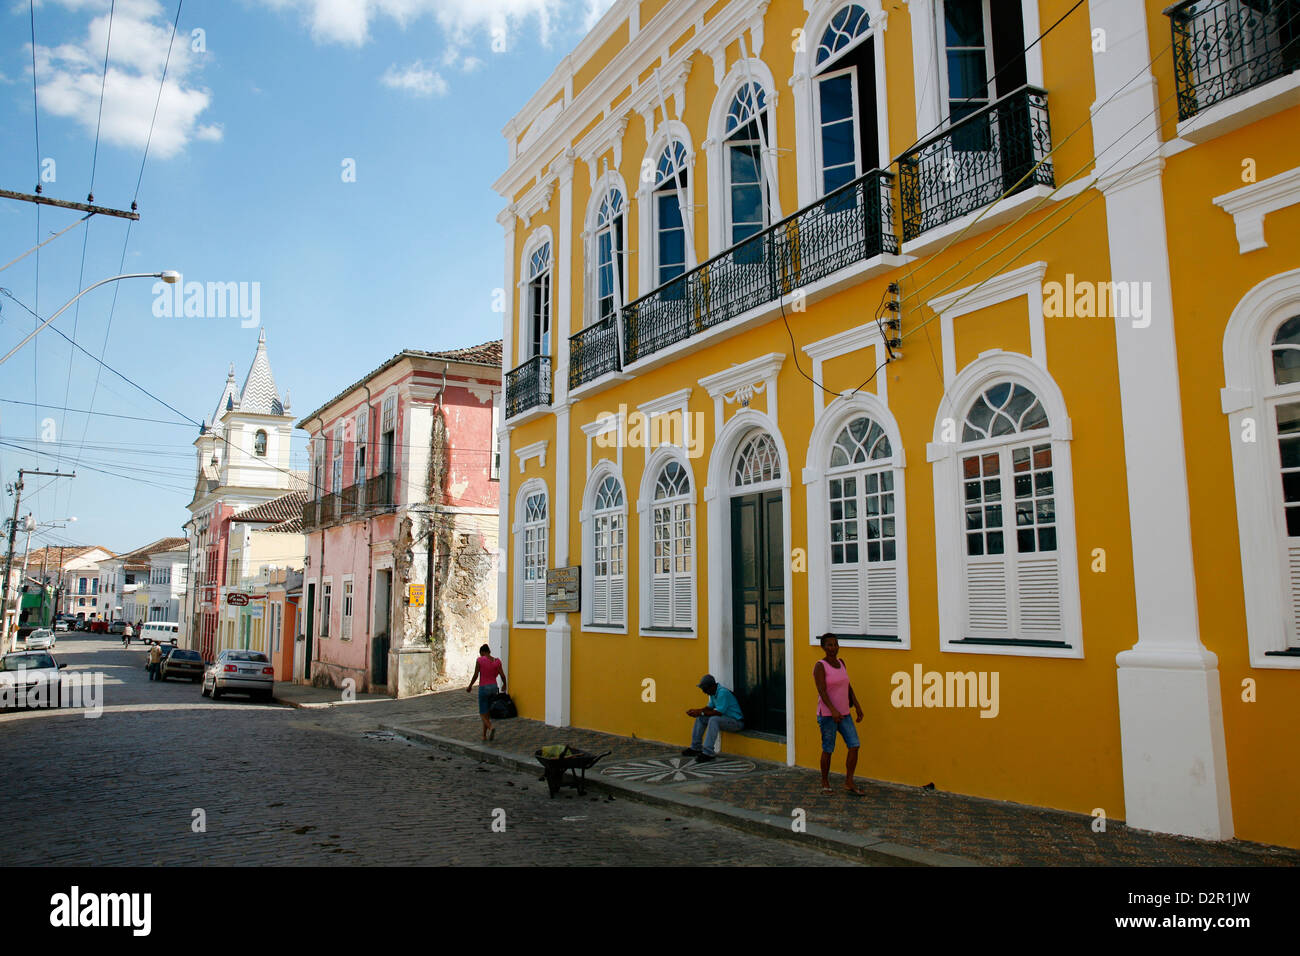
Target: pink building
x=404, y=465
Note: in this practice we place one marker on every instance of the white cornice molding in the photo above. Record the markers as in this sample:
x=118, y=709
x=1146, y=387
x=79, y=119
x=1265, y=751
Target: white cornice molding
x=1250, y=204
x=842, y=343
x=601, y=426
x=640, y=54
x=672, y=402
x=757, y=370
x=536, y=450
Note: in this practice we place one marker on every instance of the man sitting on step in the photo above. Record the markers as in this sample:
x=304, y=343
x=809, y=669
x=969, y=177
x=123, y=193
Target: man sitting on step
x=722, y=713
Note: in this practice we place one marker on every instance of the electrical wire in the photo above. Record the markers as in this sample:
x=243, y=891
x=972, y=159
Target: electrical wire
x=149, y=138
x=46, y=242
x=103, y=83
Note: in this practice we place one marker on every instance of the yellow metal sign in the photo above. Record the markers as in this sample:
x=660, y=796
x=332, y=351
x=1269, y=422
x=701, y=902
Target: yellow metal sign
x=415, y=595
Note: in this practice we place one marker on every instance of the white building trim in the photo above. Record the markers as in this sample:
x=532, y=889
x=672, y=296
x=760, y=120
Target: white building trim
x=1250, y=204
x=1026, y=281
x=528, y=452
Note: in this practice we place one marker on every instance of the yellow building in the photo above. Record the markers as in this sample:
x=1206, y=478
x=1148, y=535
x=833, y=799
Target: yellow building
x=967, y=330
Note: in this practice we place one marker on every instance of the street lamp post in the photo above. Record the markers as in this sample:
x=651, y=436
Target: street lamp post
x=168, y=277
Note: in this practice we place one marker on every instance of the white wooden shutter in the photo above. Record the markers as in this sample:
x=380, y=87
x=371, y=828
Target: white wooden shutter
x=1038, y=594
x=1293, y=564
x=683, y=599
x=617, y=598
x=846, y=605
x=600, y=600
x=661, y=602
x=987, y=611
x=882, y=599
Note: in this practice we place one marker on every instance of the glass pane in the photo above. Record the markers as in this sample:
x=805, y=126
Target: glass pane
x=963, y=23
x=1025, y=540
x=974, y=544
x=837, y=98
x=995, y=542
x=1046, y=539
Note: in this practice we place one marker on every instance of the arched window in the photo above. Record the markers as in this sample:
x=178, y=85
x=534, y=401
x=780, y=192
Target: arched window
x=609, y=242
x=1285, y=418
x=757, y=462
x=672, y=576
x=259, y=444
x=1008, y=494
x=845, y=99
x=608, y=555
x=746, y=130
x=669, y=198
x=538, y=341
x=863, y=532
x=531, y=547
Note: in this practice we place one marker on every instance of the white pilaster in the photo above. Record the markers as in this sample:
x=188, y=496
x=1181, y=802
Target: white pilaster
x=559, y=635
x=1171, y=715
x=499, y=630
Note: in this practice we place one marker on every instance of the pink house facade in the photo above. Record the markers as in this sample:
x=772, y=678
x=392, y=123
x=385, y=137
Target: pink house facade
x=399, y=585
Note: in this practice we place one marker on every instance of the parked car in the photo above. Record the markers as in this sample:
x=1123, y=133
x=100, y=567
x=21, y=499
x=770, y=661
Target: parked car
x=117, y=627
x=40, y=639
x=28, y=669
x=181, y=663
x=241, y=672
x=60, y=626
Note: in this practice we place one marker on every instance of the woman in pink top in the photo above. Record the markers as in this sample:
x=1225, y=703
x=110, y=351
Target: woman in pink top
x=834, y=698
x=486, y=670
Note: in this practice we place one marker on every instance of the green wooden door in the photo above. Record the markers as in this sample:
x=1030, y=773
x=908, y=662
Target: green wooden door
x=309, y=633
x=758, y=609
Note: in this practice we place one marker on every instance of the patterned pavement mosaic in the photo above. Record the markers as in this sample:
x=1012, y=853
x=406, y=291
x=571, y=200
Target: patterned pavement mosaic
x=984, y=831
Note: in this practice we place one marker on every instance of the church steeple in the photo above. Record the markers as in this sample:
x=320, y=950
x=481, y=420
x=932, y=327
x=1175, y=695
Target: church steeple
x=259, y=395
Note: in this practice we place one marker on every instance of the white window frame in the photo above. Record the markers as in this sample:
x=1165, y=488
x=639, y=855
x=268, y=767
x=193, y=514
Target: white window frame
x=494, y=466
x=858, y=159
x=614, y=584
x=336, y=460
x=326, y=607
x=715, y=149
x=950, y=538
x=764, y=186
x=817, y=476
x=1248, y=402
x=360, y=448
x=347, y=607
x=521, y=530
x=609, y=183
x=646, y=505
x=539, y=238
x=647, y=225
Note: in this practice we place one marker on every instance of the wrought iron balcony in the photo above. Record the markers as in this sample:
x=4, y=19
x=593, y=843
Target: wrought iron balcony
x=976, y=160
x=852, y=224
x=593, y=351
x=528, y=386
x=379, y=492
x=309, y=513
x=1226, y=47
x=351, y=499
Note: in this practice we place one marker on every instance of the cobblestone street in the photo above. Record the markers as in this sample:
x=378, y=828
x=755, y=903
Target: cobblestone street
x=282, y=786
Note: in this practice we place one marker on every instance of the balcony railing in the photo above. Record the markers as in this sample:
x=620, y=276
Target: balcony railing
x=1225, y=47
x=310, y=510
x=528, y=386
x=852, y=224
x=973, y=162
x=593, y=351
x=329, y=510
x=351, y=499
x=379, y=492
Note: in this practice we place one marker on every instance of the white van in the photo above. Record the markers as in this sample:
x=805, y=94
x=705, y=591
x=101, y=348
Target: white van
x=159, y=632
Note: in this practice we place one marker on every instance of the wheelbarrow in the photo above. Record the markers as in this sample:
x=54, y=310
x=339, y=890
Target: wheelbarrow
x=557, y=759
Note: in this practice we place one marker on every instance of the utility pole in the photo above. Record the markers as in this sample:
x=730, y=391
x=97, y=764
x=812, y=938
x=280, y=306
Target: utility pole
x=16, y=489
x=65, y=204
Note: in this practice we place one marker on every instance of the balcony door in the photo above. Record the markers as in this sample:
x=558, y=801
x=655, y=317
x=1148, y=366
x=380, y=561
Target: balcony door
x=984, y=60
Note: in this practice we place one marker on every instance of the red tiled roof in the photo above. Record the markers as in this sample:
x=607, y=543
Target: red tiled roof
x=276, y=511
x=72, y=551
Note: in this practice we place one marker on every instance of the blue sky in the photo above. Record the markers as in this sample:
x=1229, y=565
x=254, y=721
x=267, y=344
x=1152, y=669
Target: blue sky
x=244, y=182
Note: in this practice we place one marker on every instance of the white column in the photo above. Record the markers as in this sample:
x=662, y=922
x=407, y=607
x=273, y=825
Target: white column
x=559, y=635
x=563, y=266
x=499, y=630
x=1171, y=715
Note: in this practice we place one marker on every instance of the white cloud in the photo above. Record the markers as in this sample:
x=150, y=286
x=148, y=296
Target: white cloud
x=70, y=78
x=417, y=79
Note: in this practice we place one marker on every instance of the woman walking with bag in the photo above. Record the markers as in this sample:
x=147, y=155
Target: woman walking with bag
x=486, y=671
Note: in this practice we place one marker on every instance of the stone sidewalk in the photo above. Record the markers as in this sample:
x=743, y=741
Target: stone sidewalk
x=891, y=824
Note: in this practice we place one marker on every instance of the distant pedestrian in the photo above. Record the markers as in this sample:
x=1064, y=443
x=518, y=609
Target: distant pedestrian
x=155, y=658
x=486, y=671
x=127, y=633
x=834, y=698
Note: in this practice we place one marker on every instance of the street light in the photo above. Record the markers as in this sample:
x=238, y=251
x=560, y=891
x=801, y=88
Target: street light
x=170, y=277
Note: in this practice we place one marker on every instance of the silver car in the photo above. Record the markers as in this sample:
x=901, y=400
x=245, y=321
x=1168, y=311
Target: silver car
x=24, y=671
x=240, y=672
x=41, y=639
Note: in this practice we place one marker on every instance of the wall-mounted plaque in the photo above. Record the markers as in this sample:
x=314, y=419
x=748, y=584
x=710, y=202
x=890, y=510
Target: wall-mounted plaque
x=563, y=590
